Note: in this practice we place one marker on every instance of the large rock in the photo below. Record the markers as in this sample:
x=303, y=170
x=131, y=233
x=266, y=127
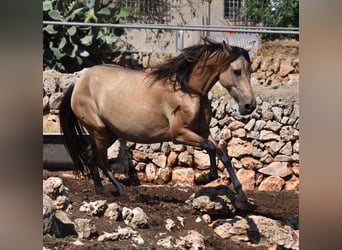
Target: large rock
x=259, y=231
x=214, y=201
x=85, y=228
x=49, y=211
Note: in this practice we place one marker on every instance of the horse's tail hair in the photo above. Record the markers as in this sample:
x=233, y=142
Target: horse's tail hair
x=73, y=134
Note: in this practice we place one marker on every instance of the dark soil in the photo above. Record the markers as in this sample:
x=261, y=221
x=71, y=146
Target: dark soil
x=160, y=203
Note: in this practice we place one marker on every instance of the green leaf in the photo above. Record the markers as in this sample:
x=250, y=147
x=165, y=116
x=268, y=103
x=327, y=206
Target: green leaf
x=90, y=15
x=54, y=14
x=79, y=60
x=57, y=53
x=124, y=12
x=111, y=39
x=50, y=29
x=90, y=4
x=62, y=43
x=73, y=53
x=104, y=11
x=47, y=5
x=84, y=53
x=72, y=30
x=87, y=40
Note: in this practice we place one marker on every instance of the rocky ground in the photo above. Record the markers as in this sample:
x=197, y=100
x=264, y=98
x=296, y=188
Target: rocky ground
x=170, y=204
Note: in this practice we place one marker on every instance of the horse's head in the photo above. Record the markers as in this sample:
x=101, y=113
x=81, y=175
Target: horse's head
x=235, y=77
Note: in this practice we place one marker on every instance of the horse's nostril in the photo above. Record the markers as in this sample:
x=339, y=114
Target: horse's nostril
x=249, y=107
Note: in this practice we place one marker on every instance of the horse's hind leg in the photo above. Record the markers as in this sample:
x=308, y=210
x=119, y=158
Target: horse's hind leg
x=103, y=139
x=93, y=166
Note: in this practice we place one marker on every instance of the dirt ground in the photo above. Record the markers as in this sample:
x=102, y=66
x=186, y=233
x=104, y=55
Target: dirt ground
x=160, y=203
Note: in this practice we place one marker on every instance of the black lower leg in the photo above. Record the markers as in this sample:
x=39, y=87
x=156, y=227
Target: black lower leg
x=212, y=175
x=236, y=183
x=97, y=180
x=113, y=180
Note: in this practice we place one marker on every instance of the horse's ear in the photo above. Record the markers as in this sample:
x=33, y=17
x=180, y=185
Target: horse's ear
x=227, y=48
x=250, y=45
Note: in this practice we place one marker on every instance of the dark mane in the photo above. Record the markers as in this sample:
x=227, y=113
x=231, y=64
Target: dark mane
x=178, y=69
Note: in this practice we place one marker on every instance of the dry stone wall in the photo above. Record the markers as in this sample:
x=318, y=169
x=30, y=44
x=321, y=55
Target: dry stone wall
x=264, y=146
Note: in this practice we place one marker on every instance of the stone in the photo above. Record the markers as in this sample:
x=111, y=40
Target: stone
x=286, y=149
x=215, y=132
x=278, y=113
x=139, y=155
x=183, y=175
x=262, y=232
x=66, y=81
x=172, y=159
x=240, y=132
x=247, y=178
x=283, y=158
x=45, y=103
x=156, y=147
x=135, y=217
x=63, y=226
x=49, y=211
x=266, y=135
x=250, y=163
x=151, y=171
x=280, y=169
x=49, y=85
x=96, y=208
x=54, y=187
x=201, y=160
x=85, y=228
x=288, y=133
x=113, y=211
x=273, y=125
x=259, y=125
x=295, y=146
x=159, y=159
x=165, y=242
x=55, y=100
x=185, y=159
x=169, y=224
x=238, y=147
x=249, y=126
x=295, y=168
x=163, y=175
x=286, y=67
x=274, y=146
x=267, y=116
x=226, y=133
x=272, y=184
x=235, y=125
x=292, y=184
x=193, y=241
x=266, y=63
x=216, y=200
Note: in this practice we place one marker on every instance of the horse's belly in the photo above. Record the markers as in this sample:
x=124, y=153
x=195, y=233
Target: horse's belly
x=140, y=127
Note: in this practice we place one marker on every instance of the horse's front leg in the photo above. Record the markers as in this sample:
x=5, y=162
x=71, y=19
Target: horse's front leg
x=241, y=200
x=191, y=138
x=212, y=175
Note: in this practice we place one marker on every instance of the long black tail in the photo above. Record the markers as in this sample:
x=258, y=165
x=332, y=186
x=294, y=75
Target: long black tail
x=74, y=134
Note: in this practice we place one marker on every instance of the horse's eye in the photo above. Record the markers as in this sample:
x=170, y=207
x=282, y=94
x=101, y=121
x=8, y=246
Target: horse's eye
x=237, y=72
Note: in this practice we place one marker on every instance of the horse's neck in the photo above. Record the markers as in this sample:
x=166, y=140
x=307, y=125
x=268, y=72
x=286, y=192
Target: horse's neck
x=203, y=79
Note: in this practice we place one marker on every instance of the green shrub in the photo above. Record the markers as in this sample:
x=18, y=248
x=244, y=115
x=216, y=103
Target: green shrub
x=71, y=48
x=273, y=13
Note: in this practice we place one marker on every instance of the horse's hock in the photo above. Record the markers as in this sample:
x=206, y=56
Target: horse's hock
x=264, y=146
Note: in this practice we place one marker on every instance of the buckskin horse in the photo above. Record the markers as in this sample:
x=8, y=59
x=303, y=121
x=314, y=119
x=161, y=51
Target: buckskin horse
x=168, y=103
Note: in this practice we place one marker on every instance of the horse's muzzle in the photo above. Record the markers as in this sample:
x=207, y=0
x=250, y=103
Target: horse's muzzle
x=247, y=108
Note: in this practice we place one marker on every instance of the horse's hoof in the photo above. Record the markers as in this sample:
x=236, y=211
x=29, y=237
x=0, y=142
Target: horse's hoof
x=247, y=205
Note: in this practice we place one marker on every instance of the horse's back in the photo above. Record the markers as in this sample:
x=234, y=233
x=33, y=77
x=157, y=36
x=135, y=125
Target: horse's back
x=123, y=100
